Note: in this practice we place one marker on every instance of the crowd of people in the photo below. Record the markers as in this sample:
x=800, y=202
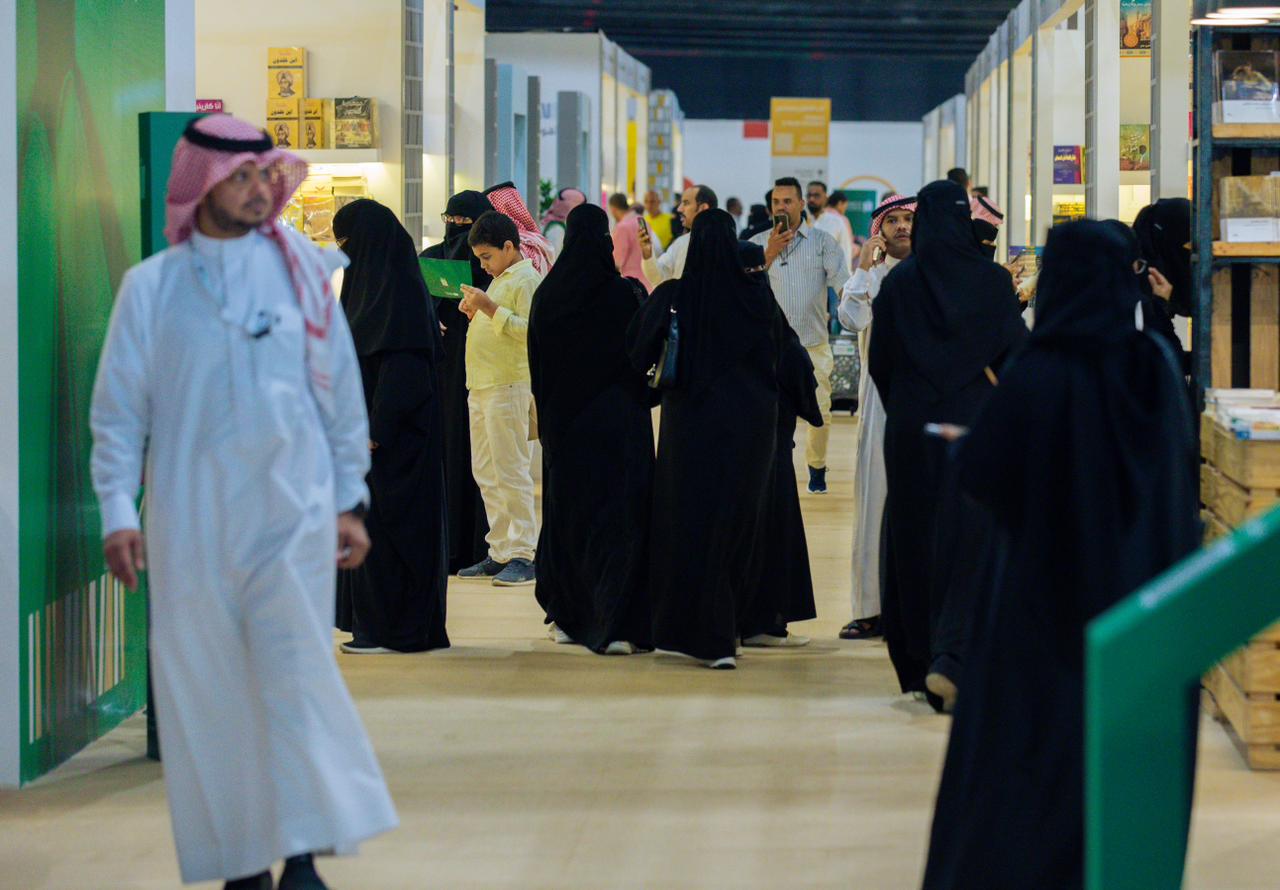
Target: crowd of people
x=1010, y=484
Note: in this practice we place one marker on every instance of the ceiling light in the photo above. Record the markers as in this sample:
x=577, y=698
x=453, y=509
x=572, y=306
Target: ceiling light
x=1231, y=22
x=1246, y=12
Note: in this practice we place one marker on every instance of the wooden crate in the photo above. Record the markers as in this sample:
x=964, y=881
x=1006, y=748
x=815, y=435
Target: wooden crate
x=1256, y=667
x=1234, y=503
x=1251, y=463
x=1214, y=527
x=1209, y=477
x=1253, y=717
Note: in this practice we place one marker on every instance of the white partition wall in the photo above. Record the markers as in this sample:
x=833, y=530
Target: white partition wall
x=1102, y=107
x=1170, y=99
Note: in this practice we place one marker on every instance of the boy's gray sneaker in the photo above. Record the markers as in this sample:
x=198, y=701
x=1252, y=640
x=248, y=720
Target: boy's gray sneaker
x=517, y=573
x=486, y=568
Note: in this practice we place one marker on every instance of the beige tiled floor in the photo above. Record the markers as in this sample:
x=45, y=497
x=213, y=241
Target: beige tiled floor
x=519, y=764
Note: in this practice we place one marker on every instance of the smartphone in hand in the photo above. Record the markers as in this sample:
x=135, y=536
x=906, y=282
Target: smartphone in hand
x=782, y=221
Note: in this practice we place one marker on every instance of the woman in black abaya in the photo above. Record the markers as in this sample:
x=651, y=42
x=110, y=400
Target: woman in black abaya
x=946, y=318
x=1163, y=232
x=467, y=523
x=782, y=584
x=1086, y=458
x=716, y=442
x=596, y=429
x=396, y=600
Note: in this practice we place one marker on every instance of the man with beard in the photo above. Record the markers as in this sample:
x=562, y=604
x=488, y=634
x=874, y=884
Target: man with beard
x=670, y=265
x=816, y=199
x=890, y=244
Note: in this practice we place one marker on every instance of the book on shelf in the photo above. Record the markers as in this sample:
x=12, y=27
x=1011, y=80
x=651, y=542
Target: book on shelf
x=1068, y=165
x=1248, y=208
x=1246, y=87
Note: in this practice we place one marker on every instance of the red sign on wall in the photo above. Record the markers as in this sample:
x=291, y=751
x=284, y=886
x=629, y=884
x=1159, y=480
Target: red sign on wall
x=755, y=129
x=209, y=106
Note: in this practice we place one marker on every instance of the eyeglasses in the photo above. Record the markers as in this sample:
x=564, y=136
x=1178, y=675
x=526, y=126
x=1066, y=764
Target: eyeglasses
x=456, y=220
x=1140, y=267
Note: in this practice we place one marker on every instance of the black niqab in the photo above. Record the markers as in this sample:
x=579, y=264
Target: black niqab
x=960, y=311
x=467, y=523
x=383, y=294
x=1085, y=455
x=1164, y=230
x=716, y=294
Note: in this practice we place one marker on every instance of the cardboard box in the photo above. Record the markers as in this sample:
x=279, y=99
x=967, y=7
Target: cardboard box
x=1247, y=209
x=355, y=122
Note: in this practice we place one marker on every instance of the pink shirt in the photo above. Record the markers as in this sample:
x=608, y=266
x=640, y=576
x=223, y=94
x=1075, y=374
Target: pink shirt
x=626, y=249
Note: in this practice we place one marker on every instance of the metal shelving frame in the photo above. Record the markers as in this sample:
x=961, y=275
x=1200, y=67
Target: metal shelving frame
x=1206, y=149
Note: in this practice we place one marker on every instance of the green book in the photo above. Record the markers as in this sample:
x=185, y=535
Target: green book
x=445, y=278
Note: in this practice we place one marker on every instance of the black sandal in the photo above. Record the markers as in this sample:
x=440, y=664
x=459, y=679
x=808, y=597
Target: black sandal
x=862, y=629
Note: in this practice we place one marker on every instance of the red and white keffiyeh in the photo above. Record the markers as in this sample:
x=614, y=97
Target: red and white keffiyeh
x=887, y=203
x=985, y=209
x=505, y=198
x=211, y=149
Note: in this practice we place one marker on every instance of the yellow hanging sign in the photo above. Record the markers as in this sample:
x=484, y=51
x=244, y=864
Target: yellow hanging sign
x=800, y=128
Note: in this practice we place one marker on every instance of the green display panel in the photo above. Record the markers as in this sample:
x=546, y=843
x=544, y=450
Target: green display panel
x=86, y=70
x=158, y=133
x=862, y=203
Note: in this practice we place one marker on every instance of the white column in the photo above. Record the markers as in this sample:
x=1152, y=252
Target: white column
x=1102, y=108
x=180, y=55
x=1021, y=123
x=1042, y=134
x=1170, y=98
x=10, y=619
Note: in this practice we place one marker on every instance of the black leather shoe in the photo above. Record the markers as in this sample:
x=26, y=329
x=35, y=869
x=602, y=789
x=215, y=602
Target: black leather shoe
x=300, y=874
x=257, y=882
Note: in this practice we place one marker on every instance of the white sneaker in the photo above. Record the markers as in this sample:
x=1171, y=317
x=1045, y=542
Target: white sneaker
x=559, y=636
x=620, y=647
x=350, y=649
x=769, y=641
x=723, y=664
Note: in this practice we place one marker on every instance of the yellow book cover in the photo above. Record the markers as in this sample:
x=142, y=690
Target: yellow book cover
x=313, y=134
x=286, y=83
x=286, y=57
x=313, y=109
x=283, y=110
x=284, y=133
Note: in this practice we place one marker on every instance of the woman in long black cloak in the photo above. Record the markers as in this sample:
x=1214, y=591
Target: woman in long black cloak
x=467, y=523
x=396, y=600
x=945, y=318
x=716, y=442
x=782, y=581
x=596, y=427
x=1086, y=457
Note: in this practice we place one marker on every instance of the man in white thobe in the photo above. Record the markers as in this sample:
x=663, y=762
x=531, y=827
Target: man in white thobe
x=230, y=371
x=890, y=244
x=660, y=265
x=833, y=221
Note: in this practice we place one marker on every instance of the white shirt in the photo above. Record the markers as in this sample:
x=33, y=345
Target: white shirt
x=666, y=265
x=860, y=291
x=834, y=223
x=244, y=480
x=800, y=276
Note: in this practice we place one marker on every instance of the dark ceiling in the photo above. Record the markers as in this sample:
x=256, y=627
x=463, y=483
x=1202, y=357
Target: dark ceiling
x=877, y=59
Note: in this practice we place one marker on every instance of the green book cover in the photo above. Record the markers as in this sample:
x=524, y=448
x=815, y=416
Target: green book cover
x=445, y=278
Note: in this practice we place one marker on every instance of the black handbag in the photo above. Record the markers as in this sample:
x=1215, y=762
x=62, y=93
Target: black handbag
x=663, y=374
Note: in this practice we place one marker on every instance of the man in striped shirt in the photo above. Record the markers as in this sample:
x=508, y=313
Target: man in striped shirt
x=803, y=262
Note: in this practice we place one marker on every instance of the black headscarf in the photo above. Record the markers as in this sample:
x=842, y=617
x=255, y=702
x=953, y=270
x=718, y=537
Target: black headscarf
x=585, y=263
x=383, y=294
x=724, y=313
x=1164, y=230
x=1102, y=407
x=957, y=312
x=578, y=325
x=1156, y=315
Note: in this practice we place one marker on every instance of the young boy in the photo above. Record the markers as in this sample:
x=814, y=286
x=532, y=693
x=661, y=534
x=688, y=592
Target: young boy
x=500, y=400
